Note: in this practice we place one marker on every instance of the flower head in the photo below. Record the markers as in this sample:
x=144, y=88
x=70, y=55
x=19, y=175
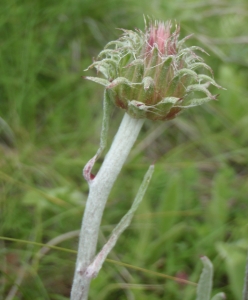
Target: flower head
x=152, y=74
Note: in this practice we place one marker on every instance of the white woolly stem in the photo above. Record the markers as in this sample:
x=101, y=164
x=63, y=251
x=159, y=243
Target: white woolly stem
x=100, y=188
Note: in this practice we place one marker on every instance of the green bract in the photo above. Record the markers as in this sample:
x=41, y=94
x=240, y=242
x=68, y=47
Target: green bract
x=152, y=74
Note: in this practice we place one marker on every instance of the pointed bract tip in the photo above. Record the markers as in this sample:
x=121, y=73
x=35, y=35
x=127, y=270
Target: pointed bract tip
x=143, y=70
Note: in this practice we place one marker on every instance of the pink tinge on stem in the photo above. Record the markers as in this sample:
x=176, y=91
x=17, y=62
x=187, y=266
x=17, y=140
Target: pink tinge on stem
x=88, y=176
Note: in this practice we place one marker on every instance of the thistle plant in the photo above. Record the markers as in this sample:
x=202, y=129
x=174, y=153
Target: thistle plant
x=151, y=75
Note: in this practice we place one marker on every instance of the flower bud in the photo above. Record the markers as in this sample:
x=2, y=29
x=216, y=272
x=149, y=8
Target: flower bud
x=152, y=74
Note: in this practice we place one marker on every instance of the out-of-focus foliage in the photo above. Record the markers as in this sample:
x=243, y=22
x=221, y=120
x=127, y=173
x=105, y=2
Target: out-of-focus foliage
x=50, y=121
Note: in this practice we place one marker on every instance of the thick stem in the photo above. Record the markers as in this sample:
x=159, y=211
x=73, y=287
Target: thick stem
x=100, y=188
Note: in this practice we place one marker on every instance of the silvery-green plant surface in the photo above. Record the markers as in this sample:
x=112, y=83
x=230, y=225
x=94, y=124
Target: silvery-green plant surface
x=205, y=284
x=151, y=76
x=50, y=124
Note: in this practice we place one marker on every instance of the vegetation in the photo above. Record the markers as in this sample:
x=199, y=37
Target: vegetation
x=50, y=120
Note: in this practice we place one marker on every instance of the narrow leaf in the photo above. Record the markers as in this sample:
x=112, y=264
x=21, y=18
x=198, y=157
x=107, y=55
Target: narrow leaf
x=219, y=296
x=172, y=100
x=196, y=102
x=101, y=81
x=204, y=287
x=185, y=71
x=96, y=265
x=211, y=80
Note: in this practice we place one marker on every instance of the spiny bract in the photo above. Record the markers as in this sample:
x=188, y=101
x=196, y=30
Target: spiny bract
x=152, y=74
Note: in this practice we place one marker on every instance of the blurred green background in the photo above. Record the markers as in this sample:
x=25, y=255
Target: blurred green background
x=50, y=120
